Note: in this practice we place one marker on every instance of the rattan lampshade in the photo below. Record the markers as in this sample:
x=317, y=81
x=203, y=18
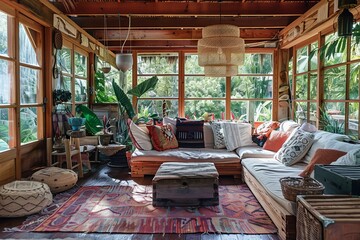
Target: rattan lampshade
x=221, y=50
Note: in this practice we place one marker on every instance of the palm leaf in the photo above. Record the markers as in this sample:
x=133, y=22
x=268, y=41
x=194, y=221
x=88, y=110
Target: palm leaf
x=143, y=87
x=123, y=100
x=93, y=123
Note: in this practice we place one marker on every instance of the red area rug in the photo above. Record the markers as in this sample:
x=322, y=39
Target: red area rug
x=128, y=209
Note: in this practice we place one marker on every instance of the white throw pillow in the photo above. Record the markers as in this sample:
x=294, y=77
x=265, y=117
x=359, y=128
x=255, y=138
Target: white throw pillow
x=236, y=135
x=295, y=147
x=308, y=127
x=140, y=136
x=218, y=131
x=351, y=158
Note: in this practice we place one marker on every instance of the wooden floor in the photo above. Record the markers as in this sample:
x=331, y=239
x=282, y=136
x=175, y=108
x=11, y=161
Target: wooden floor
x=104, y=175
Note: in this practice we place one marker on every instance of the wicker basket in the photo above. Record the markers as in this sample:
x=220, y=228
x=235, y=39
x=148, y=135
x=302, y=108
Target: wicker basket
x=293, y=186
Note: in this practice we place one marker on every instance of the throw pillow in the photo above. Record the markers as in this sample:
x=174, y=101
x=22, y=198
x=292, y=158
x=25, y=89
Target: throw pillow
x=351, y=158
x=295, y=147
x=276, y=140
x=139, y=136
x=162, y=137
x=190, y=133
x=322, y=156
x=208, y=136
x=236, y=135
x=171, y=121
x=218, y=131
x=265, y=128
x=308, y=127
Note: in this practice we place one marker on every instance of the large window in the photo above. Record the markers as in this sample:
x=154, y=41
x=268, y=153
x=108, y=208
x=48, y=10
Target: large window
x=251, y=90
x=163, y=100
x=21, y=94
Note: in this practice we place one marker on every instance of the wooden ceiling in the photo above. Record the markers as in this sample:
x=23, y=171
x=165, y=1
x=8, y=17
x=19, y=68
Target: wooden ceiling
x=164, y=25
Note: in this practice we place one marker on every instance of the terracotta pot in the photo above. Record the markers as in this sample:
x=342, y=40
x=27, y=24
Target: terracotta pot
x=104, y=139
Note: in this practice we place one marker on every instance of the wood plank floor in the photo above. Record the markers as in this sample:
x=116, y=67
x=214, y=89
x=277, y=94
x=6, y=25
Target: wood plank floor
x=104, y=175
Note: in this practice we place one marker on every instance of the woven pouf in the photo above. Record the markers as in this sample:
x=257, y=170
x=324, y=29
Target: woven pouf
x=58, y=179
x=22, y=198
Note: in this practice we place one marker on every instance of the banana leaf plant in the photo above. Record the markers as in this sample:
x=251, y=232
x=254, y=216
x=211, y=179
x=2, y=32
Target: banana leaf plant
x=93, y=125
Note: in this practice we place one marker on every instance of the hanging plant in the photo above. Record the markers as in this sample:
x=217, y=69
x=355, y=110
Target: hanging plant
x=60, y=96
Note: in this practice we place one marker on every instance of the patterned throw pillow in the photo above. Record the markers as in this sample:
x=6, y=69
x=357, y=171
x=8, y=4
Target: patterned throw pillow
x=190, y=133
x=162, y=137
x=219, y=141
x=295, y=147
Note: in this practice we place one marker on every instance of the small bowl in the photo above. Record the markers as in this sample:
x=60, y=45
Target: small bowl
x=76, y=123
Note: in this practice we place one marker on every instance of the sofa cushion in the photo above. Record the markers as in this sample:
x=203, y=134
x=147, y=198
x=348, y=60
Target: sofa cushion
x=276, y=140
x=254, y=151
x=236, y=135
x=208, y=136
x=352, y=158
x=171, y=121
x=268, y=171
x=218, y=131
x=139, y=136
x=162, y=137
x=190, y=133
x=295, y=147
x=322, y=156
x=186, y=155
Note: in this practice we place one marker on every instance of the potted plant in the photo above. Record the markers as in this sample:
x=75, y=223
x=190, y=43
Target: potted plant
x=105, y=134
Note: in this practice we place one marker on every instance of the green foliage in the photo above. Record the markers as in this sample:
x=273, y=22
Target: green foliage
x=144, y=115
x=329, y=124
x=143, y=87
x=93, y=124
x=102, y=94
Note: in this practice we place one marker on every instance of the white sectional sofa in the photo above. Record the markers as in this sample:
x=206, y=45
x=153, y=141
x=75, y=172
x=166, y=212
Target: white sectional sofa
x=257, y=167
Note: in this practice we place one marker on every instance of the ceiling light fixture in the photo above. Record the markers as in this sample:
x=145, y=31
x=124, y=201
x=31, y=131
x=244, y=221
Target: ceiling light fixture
x=106, y=66
x=221, y=50
x=346, y=18
x=124, y=61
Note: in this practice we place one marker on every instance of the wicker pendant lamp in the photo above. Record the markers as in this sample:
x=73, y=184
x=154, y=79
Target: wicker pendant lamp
x=124, y=61
x=221, y=50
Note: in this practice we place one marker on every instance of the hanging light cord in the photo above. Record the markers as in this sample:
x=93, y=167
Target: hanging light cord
x=127, y=36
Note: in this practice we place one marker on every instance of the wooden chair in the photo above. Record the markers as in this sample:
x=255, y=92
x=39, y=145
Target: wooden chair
x=68, y=154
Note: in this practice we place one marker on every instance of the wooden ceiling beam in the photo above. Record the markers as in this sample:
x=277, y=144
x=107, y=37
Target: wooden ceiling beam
x=145, y=35
x=190, y=8
x=112, y=22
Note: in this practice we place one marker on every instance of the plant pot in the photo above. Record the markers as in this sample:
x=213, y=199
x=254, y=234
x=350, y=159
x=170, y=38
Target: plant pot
x=104, y=139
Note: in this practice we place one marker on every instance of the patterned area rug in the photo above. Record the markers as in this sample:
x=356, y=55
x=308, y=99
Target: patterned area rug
x=128, y=209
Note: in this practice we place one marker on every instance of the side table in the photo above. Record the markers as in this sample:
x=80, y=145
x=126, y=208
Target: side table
x=114, y=152
x=327, y=217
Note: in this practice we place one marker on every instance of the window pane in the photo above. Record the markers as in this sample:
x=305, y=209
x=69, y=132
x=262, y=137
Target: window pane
x=313, y=60
x=27, y=44
x=64, y=60
x=204, y=87
x=29, y=86
x=28, y=124
x=302, y=60
x=4, y=129
x=334, y=83
x=252, y=110
x=301, y=87
x=257, y=63
x=313, y=110
x=80, y=90
x=80, y=65
x=251, y=87
x=7, y=86
x=301, y=109
x=158, y=64
x=191, y=64
x=313, y=86
x=338, y=56
x=355, y=49
x=354, y=80
x=353, y=118
x=194, y=109
x=167, y=86
x=334, y=120
x=4, y=38
x=169, y=107
x=66, y=83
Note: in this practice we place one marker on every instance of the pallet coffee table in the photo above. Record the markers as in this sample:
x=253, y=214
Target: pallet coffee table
x=186, y=184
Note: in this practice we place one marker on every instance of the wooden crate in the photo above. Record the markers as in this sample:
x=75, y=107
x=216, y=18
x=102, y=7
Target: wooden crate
x=328, y=217
x=186, y=184
x=339, y=179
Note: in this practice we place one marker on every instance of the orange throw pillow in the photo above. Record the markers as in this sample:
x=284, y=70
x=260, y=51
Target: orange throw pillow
x=276, y=140
x=322, y=156
x=162, y=137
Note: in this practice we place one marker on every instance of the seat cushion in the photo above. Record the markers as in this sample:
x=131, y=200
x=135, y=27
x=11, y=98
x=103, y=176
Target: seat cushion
x=58, y=179
x=254, y=151
x=22, y=198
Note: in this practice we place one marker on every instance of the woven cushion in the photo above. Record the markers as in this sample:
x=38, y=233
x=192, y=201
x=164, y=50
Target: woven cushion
x=58, y=179
x=162, y=137
x=190, y=133
x=295, y=147
x=219, y=140
x=22, y=198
